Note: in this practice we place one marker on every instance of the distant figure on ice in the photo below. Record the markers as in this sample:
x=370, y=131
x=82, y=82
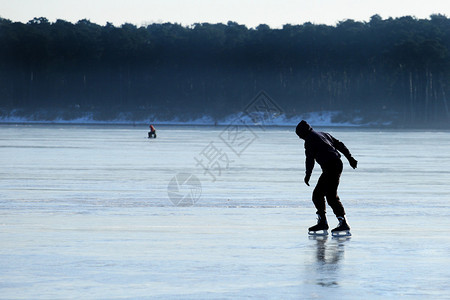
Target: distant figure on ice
x=323, y=148
x=152, y=132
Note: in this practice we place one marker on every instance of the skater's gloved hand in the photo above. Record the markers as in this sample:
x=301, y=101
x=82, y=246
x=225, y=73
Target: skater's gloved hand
x=353, y=162
x=307, y=177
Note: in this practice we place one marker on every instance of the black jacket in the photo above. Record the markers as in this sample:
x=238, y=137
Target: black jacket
x=323, y=148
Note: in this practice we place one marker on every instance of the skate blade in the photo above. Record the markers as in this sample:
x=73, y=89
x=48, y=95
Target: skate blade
x=343, y=233
x=318, y=233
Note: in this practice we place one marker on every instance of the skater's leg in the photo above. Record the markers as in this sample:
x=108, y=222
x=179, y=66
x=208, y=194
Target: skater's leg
x=318, y=199
x=333, y=200
x=335, y=203
x=318, y=196
x=333, y=175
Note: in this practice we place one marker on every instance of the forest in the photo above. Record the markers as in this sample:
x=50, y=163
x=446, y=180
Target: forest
x=395, y=69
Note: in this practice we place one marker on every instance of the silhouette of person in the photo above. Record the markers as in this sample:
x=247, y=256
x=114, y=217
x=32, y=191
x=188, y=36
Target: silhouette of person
x=324, y=149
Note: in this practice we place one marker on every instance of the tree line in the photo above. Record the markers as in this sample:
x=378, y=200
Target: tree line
x=384, y=68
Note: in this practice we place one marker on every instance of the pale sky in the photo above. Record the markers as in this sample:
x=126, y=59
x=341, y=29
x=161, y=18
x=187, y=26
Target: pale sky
x=274, y=13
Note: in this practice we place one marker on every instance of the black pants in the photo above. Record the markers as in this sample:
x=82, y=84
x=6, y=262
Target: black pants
x=327, y=187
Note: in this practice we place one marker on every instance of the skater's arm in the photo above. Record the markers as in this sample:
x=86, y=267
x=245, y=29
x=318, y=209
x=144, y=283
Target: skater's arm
x=309, y=165
x=341, y=147
x=309, y=161
x=344, y=150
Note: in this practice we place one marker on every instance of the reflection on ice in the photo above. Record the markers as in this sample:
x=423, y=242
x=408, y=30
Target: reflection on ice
x=328, y=256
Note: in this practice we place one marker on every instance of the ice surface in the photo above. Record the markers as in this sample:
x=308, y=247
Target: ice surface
x=85, y=214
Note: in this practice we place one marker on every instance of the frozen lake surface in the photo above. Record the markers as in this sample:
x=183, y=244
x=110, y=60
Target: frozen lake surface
x=101, y=212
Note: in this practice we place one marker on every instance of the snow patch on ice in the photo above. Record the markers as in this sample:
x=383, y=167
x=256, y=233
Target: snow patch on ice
x=321, y=119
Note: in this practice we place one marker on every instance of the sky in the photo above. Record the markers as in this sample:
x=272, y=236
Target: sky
x=251, y=13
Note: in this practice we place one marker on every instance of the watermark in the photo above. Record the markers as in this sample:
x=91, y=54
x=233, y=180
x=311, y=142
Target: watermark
x=214, y=159
x=184, y=189
x=262, y=110
x=238, y=137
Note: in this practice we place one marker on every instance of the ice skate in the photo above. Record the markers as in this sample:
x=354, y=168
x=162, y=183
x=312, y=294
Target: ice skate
x=321, y=228
x=342, y=229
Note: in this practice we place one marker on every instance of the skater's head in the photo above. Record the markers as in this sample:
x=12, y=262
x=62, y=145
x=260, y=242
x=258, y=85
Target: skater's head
x=303, y=128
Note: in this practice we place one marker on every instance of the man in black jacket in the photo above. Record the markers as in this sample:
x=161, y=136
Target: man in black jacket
x=323, y=148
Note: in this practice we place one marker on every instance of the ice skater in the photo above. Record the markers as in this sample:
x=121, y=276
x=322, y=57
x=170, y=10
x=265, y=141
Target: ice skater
x=152, y=132
x=323, y=148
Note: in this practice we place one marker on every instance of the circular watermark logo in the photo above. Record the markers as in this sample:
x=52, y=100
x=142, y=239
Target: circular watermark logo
x=184, y=189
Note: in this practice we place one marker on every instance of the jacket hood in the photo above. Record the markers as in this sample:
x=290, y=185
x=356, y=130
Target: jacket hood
x=303, y=129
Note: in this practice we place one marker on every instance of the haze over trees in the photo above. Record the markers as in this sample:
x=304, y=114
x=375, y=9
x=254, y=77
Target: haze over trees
x=384, y=69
